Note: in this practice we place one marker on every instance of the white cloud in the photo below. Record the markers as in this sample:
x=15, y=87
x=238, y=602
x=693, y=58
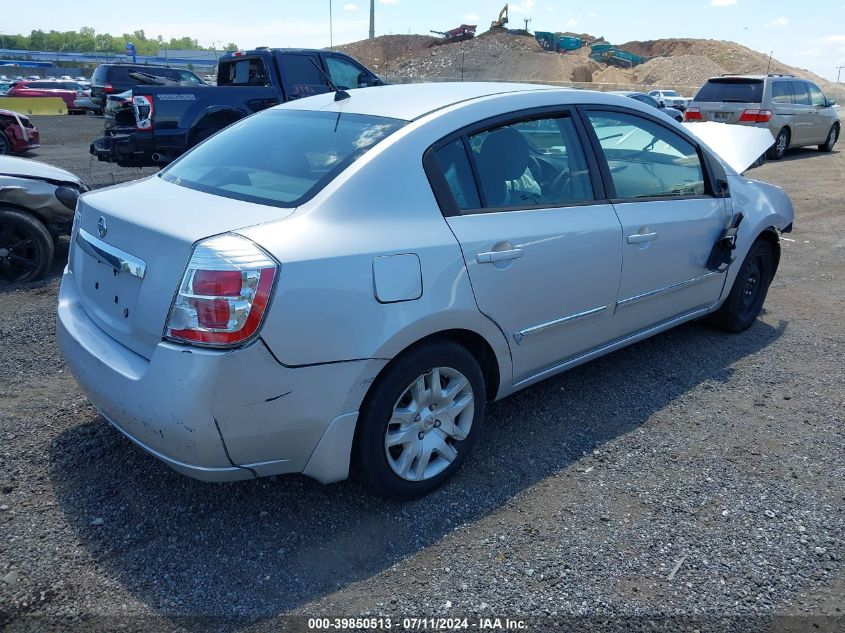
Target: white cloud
x=522, y=7
x=388, y=1
x=836, y=39
x=723, y=3
x=350, y=7
x=571, y=23
x=471, y=17
x=777, y=22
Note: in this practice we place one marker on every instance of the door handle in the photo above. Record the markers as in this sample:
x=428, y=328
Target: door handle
x=498, y=256
x=639, y=238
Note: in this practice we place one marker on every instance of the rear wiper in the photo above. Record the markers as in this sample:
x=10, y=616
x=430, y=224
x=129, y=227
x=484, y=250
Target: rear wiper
x=735, y=101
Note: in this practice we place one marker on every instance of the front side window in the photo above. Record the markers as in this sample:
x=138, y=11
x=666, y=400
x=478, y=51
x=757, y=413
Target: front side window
x=301, y=74
x=537, y=162
x=802, y=96
x=782, y=92
x=645, y=159
x=816, y=96
x=344, y=74
x=279, y=157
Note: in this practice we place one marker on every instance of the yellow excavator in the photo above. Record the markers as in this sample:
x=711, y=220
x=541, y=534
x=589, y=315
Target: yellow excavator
x=503, y=19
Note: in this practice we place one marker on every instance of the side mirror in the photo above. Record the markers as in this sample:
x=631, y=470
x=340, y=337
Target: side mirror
x=661, y=105
x=830, y=102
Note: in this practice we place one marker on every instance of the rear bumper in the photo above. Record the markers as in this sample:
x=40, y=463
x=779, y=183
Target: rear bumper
x=127, y=149
x=20, y=142
x=217, y=415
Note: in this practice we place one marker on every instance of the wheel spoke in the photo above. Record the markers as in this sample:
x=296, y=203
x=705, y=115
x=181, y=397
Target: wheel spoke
x=400, y=437
x=454, y=387
x=25, y=243
x=418, y=391
x=6, y=270
x=403, y=464
x=444, y=449
x=458, y=405
x=450, y=429
x=436, y=387
x=422, y=462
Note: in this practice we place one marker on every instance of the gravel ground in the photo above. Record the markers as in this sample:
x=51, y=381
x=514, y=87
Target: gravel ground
x=694, y=481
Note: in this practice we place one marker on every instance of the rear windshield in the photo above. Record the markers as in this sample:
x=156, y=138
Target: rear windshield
x=732, y=91
x=279, y=157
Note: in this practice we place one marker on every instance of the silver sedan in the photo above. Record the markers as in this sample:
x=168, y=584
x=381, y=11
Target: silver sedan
x=344, y=281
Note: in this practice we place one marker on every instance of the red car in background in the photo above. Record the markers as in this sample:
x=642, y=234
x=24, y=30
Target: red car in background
x=17, y=133
x=67, y=91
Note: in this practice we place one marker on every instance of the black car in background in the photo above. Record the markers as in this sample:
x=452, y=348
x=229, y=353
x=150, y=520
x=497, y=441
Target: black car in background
x=116, y=78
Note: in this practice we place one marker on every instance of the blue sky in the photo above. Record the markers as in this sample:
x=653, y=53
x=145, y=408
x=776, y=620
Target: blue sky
x=809, y=34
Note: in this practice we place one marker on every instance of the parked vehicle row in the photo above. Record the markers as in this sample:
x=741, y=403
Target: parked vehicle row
x=162, y=122
x=795, y=110
x=344, y=281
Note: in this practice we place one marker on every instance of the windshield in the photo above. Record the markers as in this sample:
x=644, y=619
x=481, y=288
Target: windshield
x=279, y=157
x=732, y=91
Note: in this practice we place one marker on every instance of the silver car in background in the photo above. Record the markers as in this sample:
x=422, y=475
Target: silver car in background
x=795, y=110
x=345, y=280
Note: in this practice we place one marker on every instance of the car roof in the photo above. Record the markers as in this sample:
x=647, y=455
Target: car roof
x=412, y=101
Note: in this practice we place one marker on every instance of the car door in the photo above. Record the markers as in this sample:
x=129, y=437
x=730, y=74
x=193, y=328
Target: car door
x=802, y=134
x=541, y=245
x=819, y=115
x=662, y=192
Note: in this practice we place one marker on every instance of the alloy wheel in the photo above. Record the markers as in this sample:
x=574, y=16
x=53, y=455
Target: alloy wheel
x=432, y=415
x=19, y=254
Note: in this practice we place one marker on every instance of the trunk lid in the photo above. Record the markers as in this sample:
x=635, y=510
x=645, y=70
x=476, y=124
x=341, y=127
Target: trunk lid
x=151, y=225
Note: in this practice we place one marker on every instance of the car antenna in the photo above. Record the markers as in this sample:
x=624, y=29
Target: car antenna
x=339, y=95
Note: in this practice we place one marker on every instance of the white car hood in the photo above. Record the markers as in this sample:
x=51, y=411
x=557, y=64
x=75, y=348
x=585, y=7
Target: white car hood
x=11, y=166
x=739, y=146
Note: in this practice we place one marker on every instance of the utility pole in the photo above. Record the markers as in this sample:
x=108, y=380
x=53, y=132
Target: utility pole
x=331, y=44
x=372, y=19
x=838, y=72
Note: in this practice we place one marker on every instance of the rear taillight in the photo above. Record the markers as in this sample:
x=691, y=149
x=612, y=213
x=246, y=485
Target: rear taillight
x=224, y=293
x=143, y=106
x=108, y=88
x=692, y=114
x=756, y=116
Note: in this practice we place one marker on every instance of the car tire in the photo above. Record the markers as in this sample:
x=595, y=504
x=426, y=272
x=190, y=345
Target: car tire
x=26, y=247
x=400, y=428
x=745, y=300
x=832, y=137
x=778, y=150
x=5, y=146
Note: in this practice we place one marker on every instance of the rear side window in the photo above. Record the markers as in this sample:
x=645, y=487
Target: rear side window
x=279, y=157
x=454, y=163
x=301, y=75
x=645, y=159
x=731, y=91
x=249, y=71
x=100, y=75
x=802, y=96
x=647, y=100
x=782, y=92
x=538, y=162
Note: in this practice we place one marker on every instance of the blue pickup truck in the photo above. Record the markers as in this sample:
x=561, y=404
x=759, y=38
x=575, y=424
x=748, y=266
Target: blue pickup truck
x=161, y=122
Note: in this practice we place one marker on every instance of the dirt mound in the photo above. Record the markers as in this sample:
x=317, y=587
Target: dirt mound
x=727, y=57
x=496, y=55
x=684, y=70
x=380, y=52
x=613, y=75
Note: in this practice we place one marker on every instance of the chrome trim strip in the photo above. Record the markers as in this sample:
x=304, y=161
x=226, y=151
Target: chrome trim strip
x=609, y=347
x=519, y=336
x=667, y=289
x=121, y=260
